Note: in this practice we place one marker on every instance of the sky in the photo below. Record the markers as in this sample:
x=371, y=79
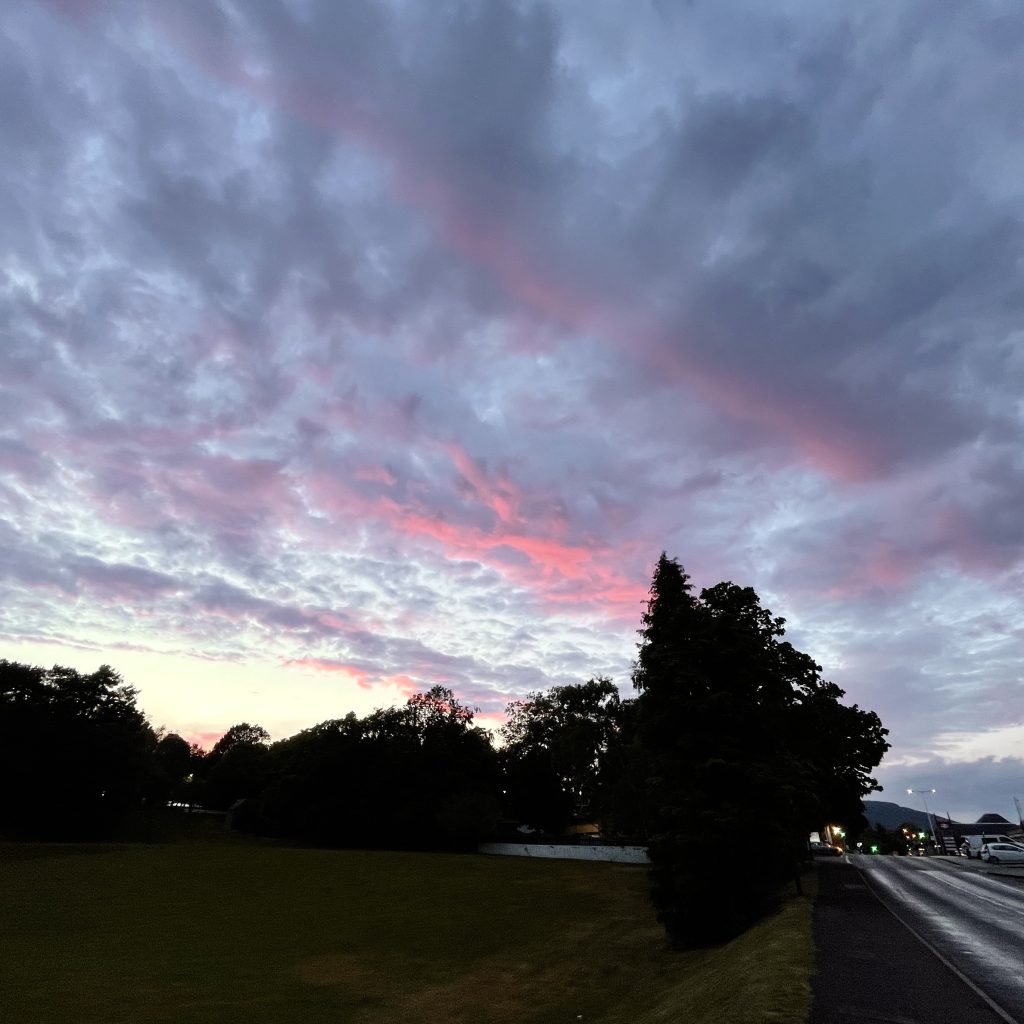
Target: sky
x=350, y=348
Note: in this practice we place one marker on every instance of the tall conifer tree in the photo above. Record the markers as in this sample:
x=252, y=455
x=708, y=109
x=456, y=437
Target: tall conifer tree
x=736, y=767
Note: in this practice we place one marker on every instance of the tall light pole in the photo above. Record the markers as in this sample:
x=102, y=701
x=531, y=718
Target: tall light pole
x=923, y=793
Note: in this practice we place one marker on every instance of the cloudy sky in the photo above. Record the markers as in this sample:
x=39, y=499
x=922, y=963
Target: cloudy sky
x=351, y=347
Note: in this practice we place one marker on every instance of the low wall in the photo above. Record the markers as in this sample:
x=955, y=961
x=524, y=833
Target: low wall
x=619, y=854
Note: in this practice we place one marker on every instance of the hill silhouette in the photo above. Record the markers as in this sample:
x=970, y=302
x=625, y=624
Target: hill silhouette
x=891, y=815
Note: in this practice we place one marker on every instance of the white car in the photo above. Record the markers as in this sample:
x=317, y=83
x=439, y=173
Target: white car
x=1002, y=853
x=971, y=846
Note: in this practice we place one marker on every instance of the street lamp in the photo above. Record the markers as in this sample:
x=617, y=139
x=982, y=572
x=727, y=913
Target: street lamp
x=923, y=793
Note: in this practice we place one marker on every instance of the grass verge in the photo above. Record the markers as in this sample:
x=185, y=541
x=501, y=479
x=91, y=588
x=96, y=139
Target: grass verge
x=217, y=933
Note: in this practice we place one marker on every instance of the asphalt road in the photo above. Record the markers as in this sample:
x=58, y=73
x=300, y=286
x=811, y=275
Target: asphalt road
x=903, y=939
x=972, y=916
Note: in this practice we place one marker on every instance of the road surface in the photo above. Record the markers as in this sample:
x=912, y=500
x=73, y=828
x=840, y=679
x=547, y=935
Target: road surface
x=973, y=918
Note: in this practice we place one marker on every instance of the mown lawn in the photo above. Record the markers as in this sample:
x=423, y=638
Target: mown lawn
x=200, y=933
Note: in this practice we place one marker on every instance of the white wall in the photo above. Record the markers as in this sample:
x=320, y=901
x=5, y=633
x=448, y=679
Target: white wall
x=619, y=854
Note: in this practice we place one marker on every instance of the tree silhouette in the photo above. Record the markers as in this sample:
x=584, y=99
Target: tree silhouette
x=173, y=762
x=78, y=747
x=416, y=776
x=238, y=767
x=556, y=743
x=735, y=727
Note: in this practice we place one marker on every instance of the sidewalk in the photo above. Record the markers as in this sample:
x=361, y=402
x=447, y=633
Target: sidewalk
x=872, y=969
x=979, y=867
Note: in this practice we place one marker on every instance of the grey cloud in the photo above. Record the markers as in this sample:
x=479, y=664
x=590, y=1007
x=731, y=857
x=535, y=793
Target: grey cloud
x=33, y=557
x=486, y=84
x=119, y=580
x=991, y=524
x=22, y=566
x=29, y=133
x=848, y=241
x=724, y=139
x=352, y=645
x=19, y=459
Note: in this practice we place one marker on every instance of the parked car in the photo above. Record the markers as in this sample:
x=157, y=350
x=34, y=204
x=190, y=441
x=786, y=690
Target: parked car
x=1002, y=853
x=971, y=846
x=819, y=849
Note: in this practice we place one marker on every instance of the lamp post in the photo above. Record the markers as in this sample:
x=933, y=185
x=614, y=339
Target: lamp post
x=923, y=793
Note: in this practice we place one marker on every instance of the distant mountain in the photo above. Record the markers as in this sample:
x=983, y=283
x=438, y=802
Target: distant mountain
x=890, y=816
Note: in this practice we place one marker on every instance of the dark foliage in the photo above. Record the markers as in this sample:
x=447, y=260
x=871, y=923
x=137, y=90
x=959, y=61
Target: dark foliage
x=418, y=776
x=173, y=763
x=745, y=747
x=237, y=768
x=556, y=747
x=76, y=752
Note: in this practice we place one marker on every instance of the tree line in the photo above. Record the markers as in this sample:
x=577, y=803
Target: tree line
x=732, y=749
x=418, y=776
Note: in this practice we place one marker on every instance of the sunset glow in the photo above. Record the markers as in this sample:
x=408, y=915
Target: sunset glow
x=355, y=349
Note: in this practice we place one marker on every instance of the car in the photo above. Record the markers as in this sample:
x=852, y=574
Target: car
x=971, y=846
x=819, y=849
x=1002, y=853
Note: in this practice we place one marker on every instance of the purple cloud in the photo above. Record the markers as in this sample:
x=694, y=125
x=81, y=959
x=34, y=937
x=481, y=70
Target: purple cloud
x=391, y=346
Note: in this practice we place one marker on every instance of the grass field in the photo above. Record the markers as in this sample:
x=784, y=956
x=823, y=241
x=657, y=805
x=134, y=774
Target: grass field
x=225, y=933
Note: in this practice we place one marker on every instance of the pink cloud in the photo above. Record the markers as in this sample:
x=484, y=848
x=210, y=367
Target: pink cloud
x=552, y=563
x=338, y=668
x=499, y=495
x=364, y=679
x=376, y=475
x=205, y=739
x=559, y=572
x=404, y=684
